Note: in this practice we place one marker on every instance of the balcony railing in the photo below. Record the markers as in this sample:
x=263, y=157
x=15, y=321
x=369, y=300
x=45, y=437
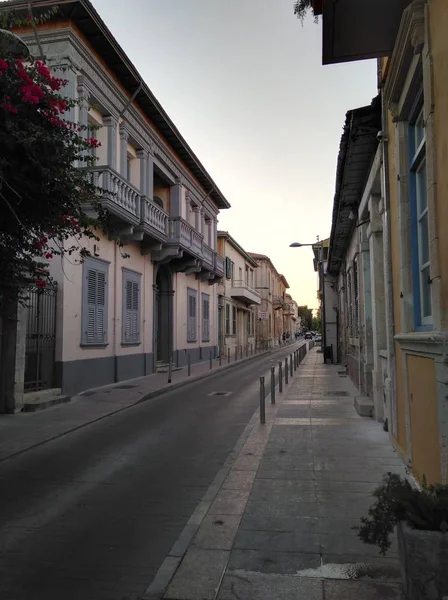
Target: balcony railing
x=219, y=264
x=207, y=253
x=154, y=216
x=241, y=290
x=118, y=192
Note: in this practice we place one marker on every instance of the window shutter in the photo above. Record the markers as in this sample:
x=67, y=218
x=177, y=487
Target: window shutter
x=191, y=316
x=131, y=308
x=234, y=319
x=227, y=319
x=205, y=317
x=94, y=307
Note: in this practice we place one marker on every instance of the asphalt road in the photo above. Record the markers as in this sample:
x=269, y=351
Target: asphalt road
x=92, y=515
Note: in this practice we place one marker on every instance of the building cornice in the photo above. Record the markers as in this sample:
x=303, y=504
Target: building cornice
x=409, y=42
x=226, y=236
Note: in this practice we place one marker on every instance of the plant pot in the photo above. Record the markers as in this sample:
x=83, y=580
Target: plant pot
x=423, y=563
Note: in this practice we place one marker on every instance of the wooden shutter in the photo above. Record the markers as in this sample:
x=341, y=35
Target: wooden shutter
x=131, y=308
x=227, y=319
x=191, y=321
x=205, y=317
x=94, y=309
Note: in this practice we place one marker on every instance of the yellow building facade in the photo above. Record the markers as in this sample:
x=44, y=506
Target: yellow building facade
x=414, y=82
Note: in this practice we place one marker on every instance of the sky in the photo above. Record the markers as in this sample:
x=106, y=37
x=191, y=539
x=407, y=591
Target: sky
x=243, y=82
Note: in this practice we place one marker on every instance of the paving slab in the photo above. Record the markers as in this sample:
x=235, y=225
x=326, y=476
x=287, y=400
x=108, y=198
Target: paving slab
x=259, y=586
x=199, y=575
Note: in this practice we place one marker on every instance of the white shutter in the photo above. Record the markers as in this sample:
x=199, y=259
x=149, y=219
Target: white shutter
x=100, y=324
x=91, y=306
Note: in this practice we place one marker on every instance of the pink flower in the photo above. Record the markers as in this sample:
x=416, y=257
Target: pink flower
x=43, y=70
x=74, y=222
x=39, y=245
x=44, y=239
x=48, y=255
x=32, y=93
x=3, y=66
x=40, y=282
x=93, y=142
x=29, y=18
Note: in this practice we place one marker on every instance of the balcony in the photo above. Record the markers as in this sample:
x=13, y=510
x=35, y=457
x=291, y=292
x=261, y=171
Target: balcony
x=242, y=291
x=119, y=197
x=278, y=302
x=219, y=265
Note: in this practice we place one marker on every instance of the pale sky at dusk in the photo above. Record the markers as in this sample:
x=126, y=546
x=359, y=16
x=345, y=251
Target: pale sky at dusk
x=244, y=84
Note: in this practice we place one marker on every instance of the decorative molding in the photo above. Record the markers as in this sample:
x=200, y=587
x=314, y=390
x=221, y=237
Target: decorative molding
x=64, y=46
x=409, y=41
x=430, y=343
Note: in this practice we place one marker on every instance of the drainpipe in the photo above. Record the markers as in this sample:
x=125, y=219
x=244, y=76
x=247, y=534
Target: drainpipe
x=115, y=312
x=388, y=269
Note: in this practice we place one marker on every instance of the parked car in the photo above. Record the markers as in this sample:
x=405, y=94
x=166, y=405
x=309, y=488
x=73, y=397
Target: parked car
x=318, y=338
x=308, y=335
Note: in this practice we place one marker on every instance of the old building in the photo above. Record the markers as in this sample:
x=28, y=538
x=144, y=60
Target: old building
x=394, y=271
x=238, y=298
x=125, y=311
x=272, y=286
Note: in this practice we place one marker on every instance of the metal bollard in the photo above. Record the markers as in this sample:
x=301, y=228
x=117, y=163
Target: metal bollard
x=290, y=365
x=247, y=350
x=262, y=402
x=228, y=354
x=286, y=371
x=170, y=370
x=280, y=376
x=236, y=352
x=272, y=385
x=189, y=364
x=211, y=363
x=241, y=352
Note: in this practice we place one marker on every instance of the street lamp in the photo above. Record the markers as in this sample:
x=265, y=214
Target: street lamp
x=321, y=278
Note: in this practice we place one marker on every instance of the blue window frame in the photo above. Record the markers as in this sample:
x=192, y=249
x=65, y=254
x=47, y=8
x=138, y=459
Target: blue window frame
x=421, y=267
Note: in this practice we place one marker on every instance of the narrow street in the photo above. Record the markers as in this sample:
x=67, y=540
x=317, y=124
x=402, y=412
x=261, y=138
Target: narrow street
x=92, y=515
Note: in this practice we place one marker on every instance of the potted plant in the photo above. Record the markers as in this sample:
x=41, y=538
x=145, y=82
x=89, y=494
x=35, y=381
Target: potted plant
x=420, y=517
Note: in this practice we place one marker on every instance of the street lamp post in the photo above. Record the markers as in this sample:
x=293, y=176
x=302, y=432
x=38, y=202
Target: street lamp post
x=320, y=266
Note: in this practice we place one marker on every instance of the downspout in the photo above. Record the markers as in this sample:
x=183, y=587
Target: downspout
x=115, y=312
x=392, y=413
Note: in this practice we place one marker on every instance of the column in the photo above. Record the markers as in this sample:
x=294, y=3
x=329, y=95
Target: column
x=142, y=157
x=176, y=199
x=124, y=136
x=375, y=238
x=110, y=123
x=214, y=243
x=150, y=175
x=83, y=102
x=64, y=69
x=202, y=220
x=366, y=307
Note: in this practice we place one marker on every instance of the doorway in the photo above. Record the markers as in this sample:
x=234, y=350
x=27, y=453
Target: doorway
x=163, y=315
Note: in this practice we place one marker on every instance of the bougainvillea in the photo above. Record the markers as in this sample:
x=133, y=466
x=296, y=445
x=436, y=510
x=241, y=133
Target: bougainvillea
x=44, y=183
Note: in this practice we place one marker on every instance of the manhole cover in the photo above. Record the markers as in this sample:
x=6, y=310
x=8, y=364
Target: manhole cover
x=336, y=393
x=220, y=393
x=124, y=387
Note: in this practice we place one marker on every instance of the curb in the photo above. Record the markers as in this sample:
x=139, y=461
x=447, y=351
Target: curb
x=168, y=388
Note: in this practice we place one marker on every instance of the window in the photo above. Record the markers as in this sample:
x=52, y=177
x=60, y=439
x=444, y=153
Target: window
x=205, y=317
x=233, y=272
x=419, y=221
x=234, y=320
x=191, y=315
x=355, y=299
x=131, y=307
x=228, y=268
x=129, y=167
x=227, y=319
x=94, y=302
x=350, y=302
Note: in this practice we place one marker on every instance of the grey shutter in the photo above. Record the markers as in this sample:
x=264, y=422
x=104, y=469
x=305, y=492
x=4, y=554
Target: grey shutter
x=94, y=309
x=191, y=321
x=205, y=317
x=131, y=305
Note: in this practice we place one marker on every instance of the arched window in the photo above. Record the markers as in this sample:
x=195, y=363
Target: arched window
x=158, y=201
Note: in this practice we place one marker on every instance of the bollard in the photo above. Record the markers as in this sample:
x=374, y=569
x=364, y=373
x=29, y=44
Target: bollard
x=211, y=363
x=189, y=364
x=295, y=359
x=286, y=371
x=272, y=385
x=170, y=370
x=228, y=354
x=220, y=358
x=280, y=377
x=262, y=402
x=247, y=350
x=236, y=352
x=241, y=352
x=290, y=366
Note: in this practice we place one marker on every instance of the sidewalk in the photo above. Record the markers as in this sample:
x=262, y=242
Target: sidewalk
x=22, y=431
x=277, y=521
